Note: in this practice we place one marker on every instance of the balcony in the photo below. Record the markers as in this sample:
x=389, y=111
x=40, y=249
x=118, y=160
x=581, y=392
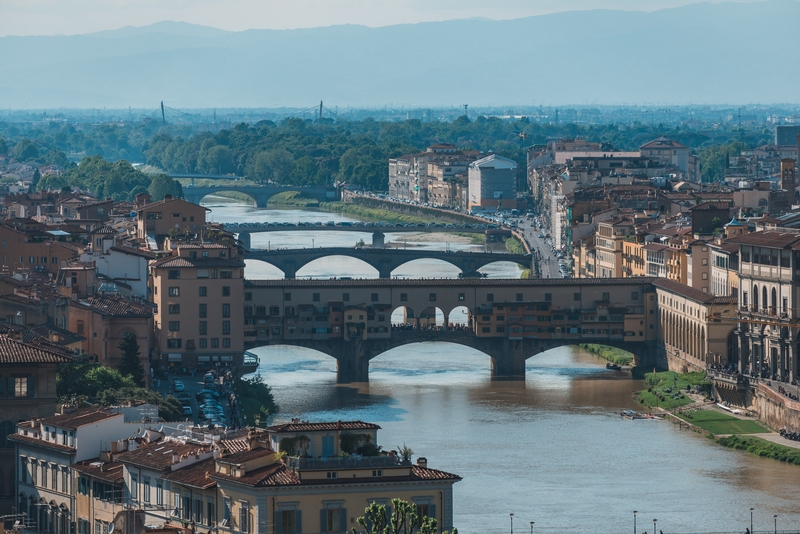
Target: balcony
x=348, y=462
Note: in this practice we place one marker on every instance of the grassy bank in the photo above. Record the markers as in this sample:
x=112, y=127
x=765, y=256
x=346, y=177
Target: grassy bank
x=387, y=216
x=612, y=354
x=666, y=389
x=293, y=198
x=720, y=423
x=763, y=448
x=515, y=246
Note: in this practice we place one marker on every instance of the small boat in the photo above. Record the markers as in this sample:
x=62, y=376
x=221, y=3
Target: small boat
x=613, y=366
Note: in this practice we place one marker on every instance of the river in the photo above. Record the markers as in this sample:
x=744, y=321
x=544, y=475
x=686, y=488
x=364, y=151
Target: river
x=550, y=449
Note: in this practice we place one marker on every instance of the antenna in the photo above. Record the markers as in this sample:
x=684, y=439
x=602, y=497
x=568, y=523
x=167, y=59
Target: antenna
x=320, y=109
x=465, y=109
x=163, y=115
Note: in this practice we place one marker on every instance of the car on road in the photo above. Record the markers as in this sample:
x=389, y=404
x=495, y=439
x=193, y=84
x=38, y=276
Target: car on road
x=187, y=411
x=178, y=386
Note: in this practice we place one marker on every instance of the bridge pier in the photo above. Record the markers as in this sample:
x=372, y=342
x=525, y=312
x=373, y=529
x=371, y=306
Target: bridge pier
x=244, y=238
x=261, y=201
x=378, y=240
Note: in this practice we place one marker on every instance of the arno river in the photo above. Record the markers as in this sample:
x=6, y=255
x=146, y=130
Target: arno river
x=551, y=449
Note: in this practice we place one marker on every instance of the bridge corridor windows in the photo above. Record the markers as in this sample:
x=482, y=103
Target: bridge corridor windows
x=460, y=318
x=404, y=318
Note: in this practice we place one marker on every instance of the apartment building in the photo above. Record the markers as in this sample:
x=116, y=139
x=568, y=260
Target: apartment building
x=157, y=220
x=609, y=240
x=199, y=293
x=493, y=183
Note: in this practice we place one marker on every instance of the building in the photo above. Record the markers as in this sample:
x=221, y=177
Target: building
x=27, y=391
x=786, y=134
x=609, y=240
x=492, y=183
x=669, y=152
x=46, y=448
x=199, y=293
x=157, y=220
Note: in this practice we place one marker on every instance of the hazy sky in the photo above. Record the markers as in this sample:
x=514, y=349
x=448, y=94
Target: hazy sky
x=51, y=17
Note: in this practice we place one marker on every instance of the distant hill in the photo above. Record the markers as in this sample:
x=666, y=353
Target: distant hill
x=701, y=53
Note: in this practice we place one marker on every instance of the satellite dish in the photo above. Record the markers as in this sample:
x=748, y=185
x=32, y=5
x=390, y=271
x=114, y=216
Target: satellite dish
x=110, y=528
x=139, y=431
x=160, y=428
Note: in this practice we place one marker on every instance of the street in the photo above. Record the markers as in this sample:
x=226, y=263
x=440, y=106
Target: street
x=548, y=263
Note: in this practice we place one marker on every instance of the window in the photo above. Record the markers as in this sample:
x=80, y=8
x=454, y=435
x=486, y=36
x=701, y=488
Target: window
x=203, y=328
x=332, y=474
x=333, y=518
x=226, y=511
x=315, y=297
x=548, y=297
x=226, y=291
x=226, y=273
x=287, y=297
x=203, y=343
x=174, y=274
x=705, y=276
x=23, y=386
x=174, y=326
x=197, y=517
x=374, y=297
x=214, y=342
x=173, y=343
x=403, y=297
x=65, y=480
x=174, y=292
x=226, y=342
x=462, y=297
x=174, y=309
x=187, y=506
x=377, y=472
x=226, y=310
x=202, y=273
x=288, y=521
x=576, y=297
x=146, y=497
x=244, y=517
x=248, y=295
x=23, y=470
x=134, y=487
x=423, y=511
x=54, y=477
x=490, y=297
x=432, y=297
x=634, y=295
x=159, y=492
x=226, y=328
x=80, y=327
x=346, y=297
x=606, y=296
x=203, y=310
x=210, y=512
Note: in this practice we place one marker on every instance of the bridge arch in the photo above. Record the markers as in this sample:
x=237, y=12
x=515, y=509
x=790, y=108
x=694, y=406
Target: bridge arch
x=404, y=270
x=460, y=316
x=199, y=197
x=351, y=264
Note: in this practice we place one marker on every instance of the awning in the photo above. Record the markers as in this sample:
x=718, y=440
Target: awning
x=204, y=358
x=173, y=357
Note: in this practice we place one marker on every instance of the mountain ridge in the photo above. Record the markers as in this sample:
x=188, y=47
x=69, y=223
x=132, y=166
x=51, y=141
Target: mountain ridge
x=700, y=53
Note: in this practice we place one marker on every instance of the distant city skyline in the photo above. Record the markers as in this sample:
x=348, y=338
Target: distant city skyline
x=56, y=17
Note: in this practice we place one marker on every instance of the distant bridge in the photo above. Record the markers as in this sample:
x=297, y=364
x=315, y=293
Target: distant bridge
x=260, y=194
x=289, y=261
x=378, y=230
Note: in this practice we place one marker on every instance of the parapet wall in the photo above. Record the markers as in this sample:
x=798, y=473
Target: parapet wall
x=774, y=409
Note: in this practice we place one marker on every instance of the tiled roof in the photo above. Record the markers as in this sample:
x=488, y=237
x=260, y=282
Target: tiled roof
x=19, y=438
x=195, y=475
x=116, y=306
x=322, y=427
x=135, y=252
x=280, y=475
x=14, y=351
x=691, y=292
x=767, y=239
x=78, y=418
x=158, y=203
x=159, y=455
x=107, y=471
x=246, y=455
x=173, y=262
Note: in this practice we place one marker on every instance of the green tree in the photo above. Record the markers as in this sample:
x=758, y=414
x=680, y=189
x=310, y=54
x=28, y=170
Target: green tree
x=169, y=408
x=25, y=150
x=83, y=377
x=129, y=362
x=217, y=160
x=404, y=520
x=162, y=185
x=281, y=164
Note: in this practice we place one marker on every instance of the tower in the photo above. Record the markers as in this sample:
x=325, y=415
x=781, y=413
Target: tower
x=787, y=175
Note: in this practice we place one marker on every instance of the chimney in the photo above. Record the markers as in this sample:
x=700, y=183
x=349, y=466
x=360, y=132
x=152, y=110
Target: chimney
x=422, y=462
x=167, y=197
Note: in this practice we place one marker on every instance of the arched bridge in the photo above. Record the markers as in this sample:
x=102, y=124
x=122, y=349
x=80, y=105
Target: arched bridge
x=260, y=194
x=289, y=261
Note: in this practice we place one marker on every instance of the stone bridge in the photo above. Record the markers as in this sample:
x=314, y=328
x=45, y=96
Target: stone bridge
x=289, y=261
x=260, y=194
x=509, y=320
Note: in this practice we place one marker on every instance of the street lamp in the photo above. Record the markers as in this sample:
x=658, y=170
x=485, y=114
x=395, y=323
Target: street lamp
x=654, y=525
x=776, y=523
x=751, y=520
x=532, y=522
x=634, y=522
x=512, y=522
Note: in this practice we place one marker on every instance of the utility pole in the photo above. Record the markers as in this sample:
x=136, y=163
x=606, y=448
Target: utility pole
x=465, y=110
x=320, y=109
x=163, y=115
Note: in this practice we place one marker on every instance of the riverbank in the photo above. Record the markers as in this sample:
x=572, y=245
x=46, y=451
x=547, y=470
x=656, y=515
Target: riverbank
x=294, y=199
x=612, y=354
x=668, y=389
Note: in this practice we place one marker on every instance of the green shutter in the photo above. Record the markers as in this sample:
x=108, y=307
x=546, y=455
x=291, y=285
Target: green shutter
x=2, y=387
x=342, y=519
x=432, y=511
x=298, y=522
x=30, y=386
x=323, y=521
x=278, y=522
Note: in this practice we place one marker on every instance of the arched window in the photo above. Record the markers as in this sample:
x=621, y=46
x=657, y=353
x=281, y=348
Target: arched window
x=774, y=301
x=755, y=298
x=764, y=295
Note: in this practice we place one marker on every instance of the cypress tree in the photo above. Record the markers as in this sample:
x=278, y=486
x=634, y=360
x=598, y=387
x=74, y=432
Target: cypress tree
x=129, y=362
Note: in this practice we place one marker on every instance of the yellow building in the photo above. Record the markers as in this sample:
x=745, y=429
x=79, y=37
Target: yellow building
x=609, y=240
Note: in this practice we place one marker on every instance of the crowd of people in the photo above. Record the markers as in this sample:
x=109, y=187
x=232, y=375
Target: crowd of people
x=428, y=327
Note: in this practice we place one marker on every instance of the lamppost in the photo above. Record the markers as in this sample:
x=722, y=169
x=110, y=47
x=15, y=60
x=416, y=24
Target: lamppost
x=532, y=522
x=751, y=520
x=654, y=525
x=512, y=522
x=634, y=522
x=776, y=522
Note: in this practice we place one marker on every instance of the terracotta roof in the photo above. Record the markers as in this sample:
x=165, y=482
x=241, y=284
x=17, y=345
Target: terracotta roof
x=662, y=142
x=691, y=292
x=158, y=203
x=19, y=438
x=767, y=239
x=280, y=475
x=321, y=427
x=246, y=455
x=116, y=306
x=135, y=252
x=107, y=471
x=159, y=455
x=711, y=206
x=173, y=262
x=14, y=351
x=655, y=246
x=78, y=418
x=195, y=475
